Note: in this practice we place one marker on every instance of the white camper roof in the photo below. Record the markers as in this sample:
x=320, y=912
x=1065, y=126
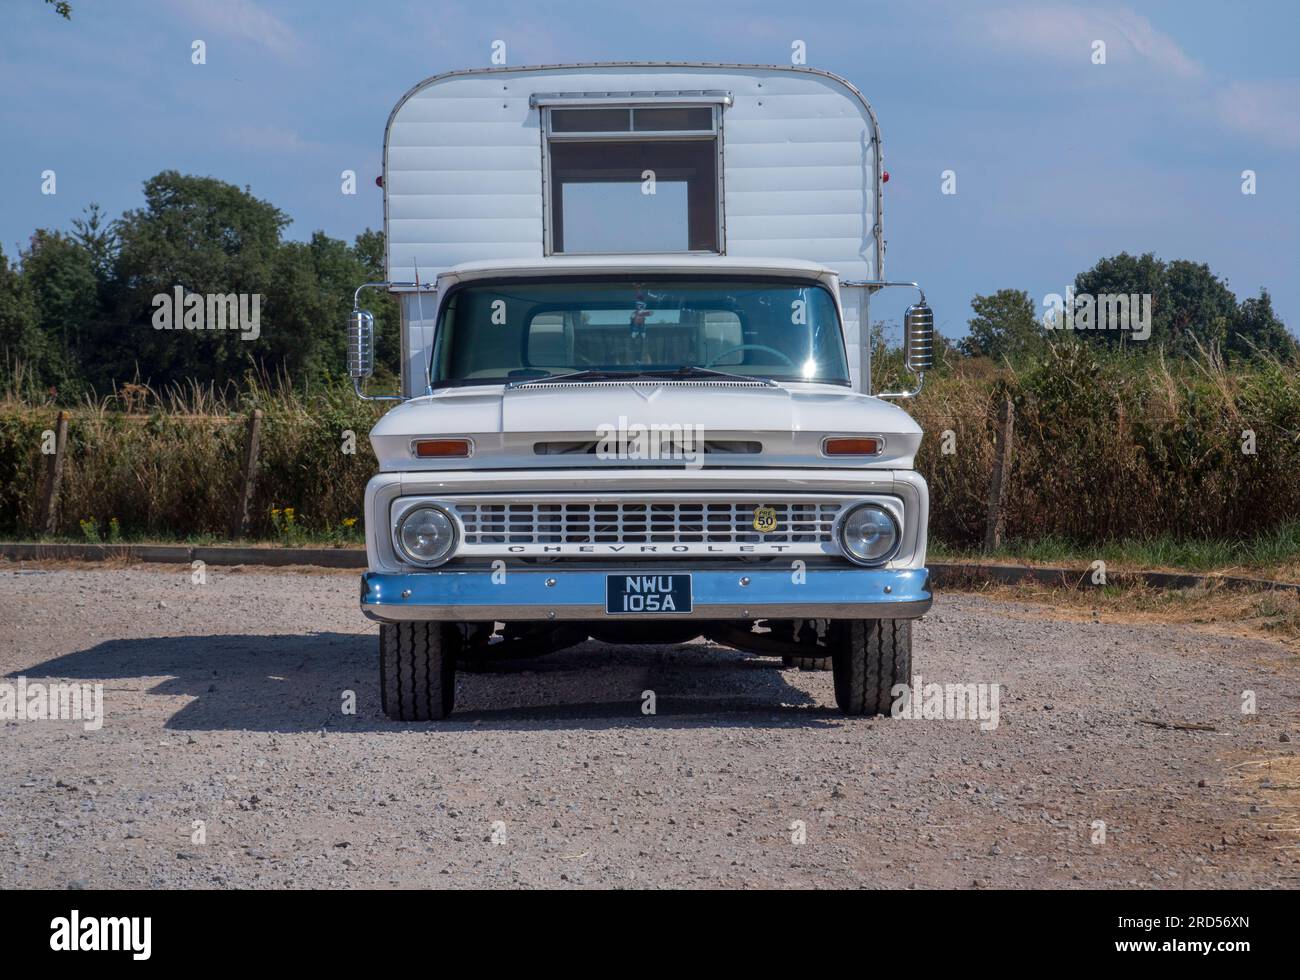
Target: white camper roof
x=799, y=162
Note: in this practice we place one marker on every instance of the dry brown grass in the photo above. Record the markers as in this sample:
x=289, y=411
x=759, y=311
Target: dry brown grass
x=1107, y=449
x=169, y=464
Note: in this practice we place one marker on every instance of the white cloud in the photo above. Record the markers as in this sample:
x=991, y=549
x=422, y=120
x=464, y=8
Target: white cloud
x=1267, y=110
x=275, y=139
x=1061, y=30
x=1160, y=49
x=243, y=20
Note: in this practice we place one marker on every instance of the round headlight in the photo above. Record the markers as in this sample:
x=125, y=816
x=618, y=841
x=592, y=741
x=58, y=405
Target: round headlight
x=426, y=535
x=869, y=535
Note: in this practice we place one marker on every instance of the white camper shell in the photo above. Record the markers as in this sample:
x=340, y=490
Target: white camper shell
x=470, y=171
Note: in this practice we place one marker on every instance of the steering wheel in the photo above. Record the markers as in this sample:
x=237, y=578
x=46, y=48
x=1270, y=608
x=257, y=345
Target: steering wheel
x=733, y=350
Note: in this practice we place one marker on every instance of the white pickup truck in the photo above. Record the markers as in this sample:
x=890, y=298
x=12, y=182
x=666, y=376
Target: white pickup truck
x=635, y=377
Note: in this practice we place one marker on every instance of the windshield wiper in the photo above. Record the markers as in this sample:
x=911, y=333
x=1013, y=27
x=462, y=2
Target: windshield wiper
x=684, y=371
x=693, y=371
x=590, y=375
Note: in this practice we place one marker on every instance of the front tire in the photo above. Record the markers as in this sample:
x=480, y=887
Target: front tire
x=870, y=657
x=417, y=670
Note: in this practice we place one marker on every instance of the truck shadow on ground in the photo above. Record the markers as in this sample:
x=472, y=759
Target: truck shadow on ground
x=297, y=683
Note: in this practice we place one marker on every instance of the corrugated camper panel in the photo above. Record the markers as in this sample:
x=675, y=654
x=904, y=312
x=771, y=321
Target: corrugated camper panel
x=463, y=168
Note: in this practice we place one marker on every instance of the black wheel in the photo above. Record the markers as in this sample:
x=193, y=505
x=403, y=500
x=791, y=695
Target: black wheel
x=807, y=663
x=417, y=670
x=871, y=656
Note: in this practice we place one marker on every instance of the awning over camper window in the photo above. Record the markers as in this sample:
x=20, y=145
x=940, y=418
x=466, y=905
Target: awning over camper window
x=689, y=97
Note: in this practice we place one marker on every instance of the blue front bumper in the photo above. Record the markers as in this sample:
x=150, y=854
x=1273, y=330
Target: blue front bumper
x=568, y=594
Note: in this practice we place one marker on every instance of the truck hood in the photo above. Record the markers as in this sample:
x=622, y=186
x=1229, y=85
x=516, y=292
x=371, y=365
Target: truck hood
x=736, y=423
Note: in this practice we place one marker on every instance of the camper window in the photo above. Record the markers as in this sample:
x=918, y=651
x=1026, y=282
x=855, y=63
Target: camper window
x=633, y=179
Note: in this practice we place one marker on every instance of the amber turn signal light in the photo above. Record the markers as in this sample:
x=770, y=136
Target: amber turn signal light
x=440, y=448
x=852, y=447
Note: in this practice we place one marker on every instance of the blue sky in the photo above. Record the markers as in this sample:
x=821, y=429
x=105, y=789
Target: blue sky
x=1058, y=161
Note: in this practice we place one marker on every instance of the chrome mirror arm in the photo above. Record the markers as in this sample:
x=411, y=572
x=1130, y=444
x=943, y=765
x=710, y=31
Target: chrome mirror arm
x=356, y=387
x=357, y=383
x=920, y=309
x=875, y=285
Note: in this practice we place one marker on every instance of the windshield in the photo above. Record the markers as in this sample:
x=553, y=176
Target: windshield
x=516, y=331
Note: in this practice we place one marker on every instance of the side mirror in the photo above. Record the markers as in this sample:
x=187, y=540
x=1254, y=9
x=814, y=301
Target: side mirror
x=361, y=344
x=918, y=338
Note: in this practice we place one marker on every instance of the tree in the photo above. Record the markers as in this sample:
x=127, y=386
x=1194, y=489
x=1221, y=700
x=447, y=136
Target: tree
x=1191, y=307
x=61, y=7
x=1197, y=304
x=21, y=341
x=369, y=247
x=207, y=237
x=65, y=293
x=97, y=236
x=1128, y=275
x=308, y=302
x=213, y=239
x=1004, y=327
x=1256, y=328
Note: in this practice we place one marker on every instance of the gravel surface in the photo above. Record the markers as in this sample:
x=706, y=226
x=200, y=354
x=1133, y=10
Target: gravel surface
x=224, y=704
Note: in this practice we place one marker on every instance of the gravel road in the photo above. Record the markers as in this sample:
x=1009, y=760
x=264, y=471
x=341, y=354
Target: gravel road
x=224, y=704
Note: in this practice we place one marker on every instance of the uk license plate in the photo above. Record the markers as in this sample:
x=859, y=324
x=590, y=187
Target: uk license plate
x=632, y=594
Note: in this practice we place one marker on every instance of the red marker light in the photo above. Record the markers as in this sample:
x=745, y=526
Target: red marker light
x=852, y=447
x=884, y=177
x=433, y=448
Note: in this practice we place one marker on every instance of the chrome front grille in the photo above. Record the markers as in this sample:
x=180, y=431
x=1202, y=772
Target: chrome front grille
x=648, y=525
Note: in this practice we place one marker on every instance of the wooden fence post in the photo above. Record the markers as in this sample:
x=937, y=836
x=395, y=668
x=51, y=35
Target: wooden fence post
x=47, y=521
x=996, y=522
x=239, y=526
